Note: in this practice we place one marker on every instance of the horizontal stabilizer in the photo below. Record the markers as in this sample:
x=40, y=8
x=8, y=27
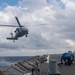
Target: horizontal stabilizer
x=12, y=38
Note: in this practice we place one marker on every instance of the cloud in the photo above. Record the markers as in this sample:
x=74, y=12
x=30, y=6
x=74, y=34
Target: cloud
x=58, y=3
x=51, y=38
x=33, y=4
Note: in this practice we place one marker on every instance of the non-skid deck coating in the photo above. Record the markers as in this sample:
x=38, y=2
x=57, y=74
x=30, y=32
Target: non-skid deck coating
x=44, y=69
x=67, y=70
x=64, y=69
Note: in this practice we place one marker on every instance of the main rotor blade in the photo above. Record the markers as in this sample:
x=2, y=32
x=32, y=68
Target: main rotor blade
x=22, y=26
x=8, y=26
x=18, y=22
x=37, y=24
x=41, y=24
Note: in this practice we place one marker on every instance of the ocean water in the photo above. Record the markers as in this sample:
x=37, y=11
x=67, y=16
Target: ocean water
x=8, y=61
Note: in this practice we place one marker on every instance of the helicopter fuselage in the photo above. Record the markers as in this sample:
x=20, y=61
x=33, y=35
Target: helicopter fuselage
x=19, y=32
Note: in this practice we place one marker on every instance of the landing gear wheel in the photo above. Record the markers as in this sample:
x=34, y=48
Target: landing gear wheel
x=26, y=35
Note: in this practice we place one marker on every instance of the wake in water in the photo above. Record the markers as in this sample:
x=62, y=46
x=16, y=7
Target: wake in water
x=7, y=61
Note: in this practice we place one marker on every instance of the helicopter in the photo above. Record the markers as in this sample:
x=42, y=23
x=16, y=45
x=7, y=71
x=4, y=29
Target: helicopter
x=20, y=31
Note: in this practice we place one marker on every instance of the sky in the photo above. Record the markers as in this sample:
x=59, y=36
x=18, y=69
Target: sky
x=57, y=36
x=9, y=2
